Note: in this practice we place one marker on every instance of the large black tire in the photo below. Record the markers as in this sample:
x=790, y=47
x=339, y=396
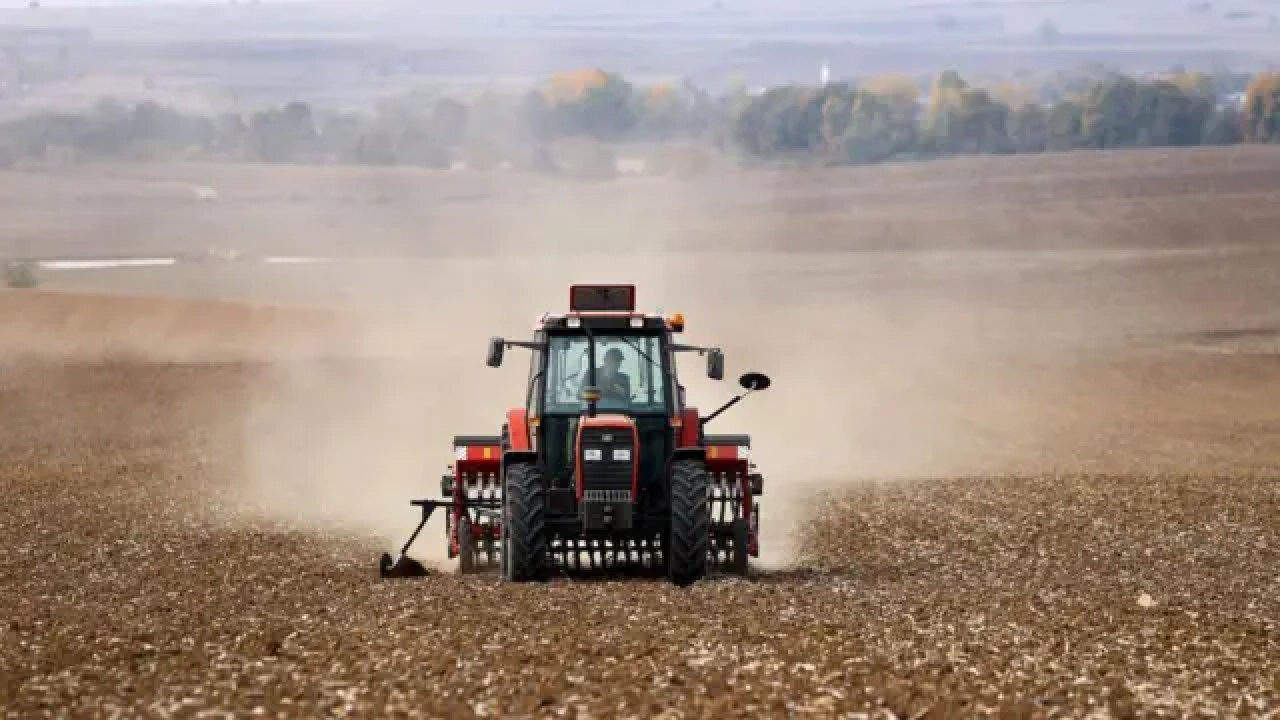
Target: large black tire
x=524, y=525
x=689, y=524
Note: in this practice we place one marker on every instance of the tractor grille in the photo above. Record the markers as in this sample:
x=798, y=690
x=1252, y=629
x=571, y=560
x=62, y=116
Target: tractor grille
x=608, y=496
x=607, y=473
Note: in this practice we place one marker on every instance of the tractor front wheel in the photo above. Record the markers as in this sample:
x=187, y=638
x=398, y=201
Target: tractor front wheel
x=689, y=523
x=524, y=525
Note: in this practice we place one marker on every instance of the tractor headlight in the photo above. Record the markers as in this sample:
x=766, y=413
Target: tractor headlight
x=622, y=454
x=592, y=454
x=460, y=452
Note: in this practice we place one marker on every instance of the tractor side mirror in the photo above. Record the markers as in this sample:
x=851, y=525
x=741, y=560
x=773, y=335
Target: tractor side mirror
x=715, y=364
x=496, y=347
x=754, y=381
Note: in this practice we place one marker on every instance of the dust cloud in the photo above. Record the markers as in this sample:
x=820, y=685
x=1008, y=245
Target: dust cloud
x=865, y=385
x=885, y=365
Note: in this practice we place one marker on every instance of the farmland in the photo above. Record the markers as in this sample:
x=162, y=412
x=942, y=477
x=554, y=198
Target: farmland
x=1020, y=454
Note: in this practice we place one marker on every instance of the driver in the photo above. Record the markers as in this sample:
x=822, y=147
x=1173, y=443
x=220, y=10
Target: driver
x=614, y=384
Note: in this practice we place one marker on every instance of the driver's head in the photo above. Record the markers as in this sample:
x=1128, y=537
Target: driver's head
x=613, y=359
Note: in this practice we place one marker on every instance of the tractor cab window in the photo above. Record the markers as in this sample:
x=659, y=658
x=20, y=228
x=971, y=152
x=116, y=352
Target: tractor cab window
x=629, y=374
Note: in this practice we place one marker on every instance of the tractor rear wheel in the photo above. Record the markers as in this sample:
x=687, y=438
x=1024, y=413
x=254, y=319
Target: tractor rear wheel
x=524, y=525
x=689, y=523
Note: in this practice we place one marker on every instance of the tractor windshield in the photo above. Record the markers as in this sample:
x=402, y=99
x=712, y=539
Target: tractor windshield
x=629, y=374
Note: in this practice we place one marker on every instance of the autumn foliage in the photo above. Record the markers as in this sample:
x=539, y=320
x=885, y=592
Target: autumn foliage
x=870, y=120
x=1262, y=108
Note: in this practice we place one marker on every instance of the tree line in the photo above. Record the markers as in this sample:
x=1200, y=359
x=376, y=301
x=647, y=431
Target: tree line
x=871, y=121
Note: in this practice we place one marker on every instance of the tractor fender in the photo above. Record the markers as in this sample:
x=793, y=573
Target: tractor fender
x=517, y=456
x=518, y=429
x=688, y=453
x=689, y=429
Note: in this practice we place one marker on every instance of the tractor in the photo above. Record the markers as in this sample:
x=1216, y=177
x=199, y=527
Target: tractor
x=604, y=464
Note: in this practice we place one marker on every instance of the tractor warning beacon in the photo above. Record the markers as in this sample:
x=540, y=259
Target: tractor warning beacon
x=604, y=466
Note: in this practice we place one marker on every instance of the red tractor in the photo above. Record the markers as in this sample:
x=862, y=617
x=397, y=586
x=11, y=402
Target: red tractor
x=604, y=460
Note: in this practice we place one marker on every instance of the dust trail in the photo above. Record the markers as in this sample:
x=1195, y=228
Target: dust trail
x=884, y=365
x=856, y=394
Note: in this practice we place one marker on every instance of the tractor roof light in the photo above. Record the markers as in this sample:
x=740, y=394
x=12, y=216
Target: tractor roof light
x=677, y=322
x=573, y=322
x=602, y=298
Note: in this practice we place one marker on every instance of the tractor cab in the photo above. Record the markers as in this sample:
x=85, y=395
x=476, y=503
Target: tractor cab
x=603, y=401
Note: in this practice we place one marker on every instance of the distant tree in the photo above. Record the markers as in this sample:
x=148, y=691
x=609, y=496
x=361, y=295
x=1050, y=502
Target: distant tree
x=339, y=134
x=1224, y=127
x=1122, y=112
x=879, y=128
x=1013, y=94
x=1262, y=108
x=374, y=146
x=1110, y=114
x=890, y=84
x=590, y=102
x=835, y=123
x=286, y=134
x=704, y=113
x=665, y=112
x=1029, y=130
x=782, y=120
x=1194, y=83
x=962, y=119
x=1176, y=115
x=1066, y=122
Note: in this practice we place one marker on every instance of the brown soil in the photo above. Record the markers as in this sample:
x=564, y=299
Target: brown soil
x=1007, y=471
x=137, y=579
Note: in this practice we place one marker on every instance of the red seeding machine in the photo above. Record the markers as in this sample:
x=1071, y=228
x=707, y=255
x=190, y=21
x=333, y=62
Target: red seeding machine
x=604, y=466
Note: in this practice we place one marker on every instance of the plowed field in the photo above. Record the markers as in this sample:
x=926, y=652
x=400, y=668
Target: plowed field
x=1026, y=482
x=135, y=582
